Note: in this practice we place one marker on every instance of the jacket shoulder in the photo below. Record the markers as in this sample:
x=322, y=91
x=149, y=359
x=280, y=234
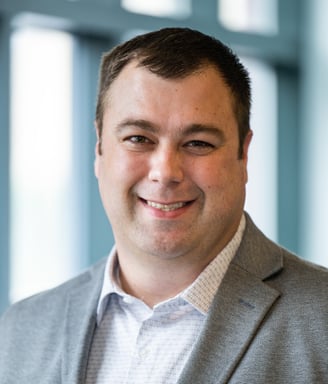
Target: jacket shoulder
x=34, y=330
x=55, y=297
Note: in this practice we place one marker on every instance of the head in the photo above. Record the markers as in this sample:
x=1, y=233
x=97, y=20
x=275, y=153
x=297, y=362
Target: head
x=173, y=137
x=175, y=53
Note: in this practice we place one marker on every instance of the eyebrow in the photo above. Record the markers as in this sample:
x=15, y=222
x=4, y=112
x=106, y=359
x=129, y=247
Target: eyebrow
x=140, y=123
x=204, y=128
x=190, y=129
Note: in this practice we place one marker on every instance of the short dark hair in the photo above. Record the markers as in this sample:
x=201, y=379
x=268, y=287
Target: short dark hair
x=177, y=53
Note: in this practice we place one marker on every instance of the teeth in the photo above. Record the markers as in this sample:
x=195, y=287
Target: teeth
x=165, y=207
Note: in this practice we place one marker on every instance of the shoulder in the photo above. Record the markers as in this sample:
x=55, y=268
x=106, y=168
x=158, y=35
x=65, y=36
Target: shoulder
x=303, y=287
x=34, y=332
x=292, y=276
x=294, y=329
x=48, y=303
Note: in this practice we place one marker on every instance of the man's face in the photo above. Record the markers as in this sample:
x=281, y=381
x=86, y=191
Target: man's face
x=169, y=174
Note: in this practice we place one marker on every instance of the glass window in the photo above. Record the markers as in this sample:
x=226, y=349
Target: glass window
x=261, y=200
x=164, y=8
x=42, y=238
x=249, y=15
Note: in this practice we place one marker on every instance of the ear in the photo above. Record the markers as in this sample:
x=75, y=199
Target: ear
x=246, y=145
x=97, y=151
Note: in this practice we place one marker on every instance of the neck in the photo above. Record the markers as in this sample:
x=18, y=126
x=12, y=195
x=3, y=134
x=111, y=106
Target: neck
x=154, y=284
x=154, y=278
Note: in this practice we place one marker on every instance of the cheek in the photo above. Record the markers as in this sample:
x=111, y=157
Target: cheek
x=221, y=177
x=119, y=170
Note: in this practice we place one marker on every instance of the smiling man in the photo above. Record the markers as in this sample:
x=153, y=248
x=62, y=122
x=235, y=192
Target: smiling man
x=192, y=291
x=170, y=177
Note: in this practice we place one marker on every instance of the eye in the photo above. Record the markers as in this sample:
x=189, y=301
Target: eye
x=199, y=143
x=137, y=139
x=199, y=147
x=138, y=143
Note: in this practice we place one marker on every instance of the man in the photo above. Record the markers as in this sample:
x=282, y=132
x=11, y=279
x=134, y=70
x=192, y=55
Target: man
x=192, y=292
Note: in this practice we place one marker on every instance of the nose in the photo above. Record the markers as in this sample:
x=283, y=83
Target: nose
x=166, y=166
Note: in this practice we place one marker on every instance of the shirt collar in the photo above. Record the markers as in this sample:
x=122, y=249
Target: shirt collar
x=109, y=286
x=199, y=294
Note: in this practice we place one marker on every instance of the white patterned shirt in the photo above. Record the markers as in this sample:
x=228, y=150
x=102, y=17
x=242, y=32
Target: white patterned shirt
x=135, y=344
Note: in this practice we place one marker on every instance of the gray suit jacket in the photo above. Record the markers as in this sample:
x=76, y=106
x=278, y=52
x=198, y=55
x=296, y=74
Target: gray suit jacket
x=268, y=324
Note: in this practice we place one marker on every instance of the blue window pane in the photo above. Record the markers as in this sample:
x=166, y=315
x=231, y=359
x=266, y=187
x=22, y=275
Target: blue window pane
x=42, y=238
x=249, y=15
x=261, y=201
x=163, y=8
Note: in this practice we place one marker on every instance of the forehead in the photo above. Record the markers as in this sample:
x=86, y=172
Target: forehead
x=135, y=71
x=200, y=95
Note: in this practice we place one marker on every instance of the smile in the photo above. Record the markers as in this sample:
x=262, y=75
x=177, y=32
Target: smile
x=166, y=207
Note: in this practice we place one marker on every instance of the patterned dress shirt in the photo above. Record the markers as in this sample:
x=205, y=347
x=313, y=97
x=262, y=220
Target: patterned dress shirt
x=136, y=344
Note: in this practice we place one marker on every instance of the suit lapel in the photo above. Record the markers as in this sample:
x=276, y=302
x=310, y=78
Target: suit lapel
x=80, y=325
x=239, y=307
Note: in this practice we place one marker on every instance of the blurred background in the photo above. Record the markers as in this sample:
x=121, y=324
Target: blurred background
x=52, y=224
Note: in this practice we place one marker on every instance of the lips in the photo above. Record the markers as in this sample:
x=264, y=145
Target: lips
x=166, y=207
